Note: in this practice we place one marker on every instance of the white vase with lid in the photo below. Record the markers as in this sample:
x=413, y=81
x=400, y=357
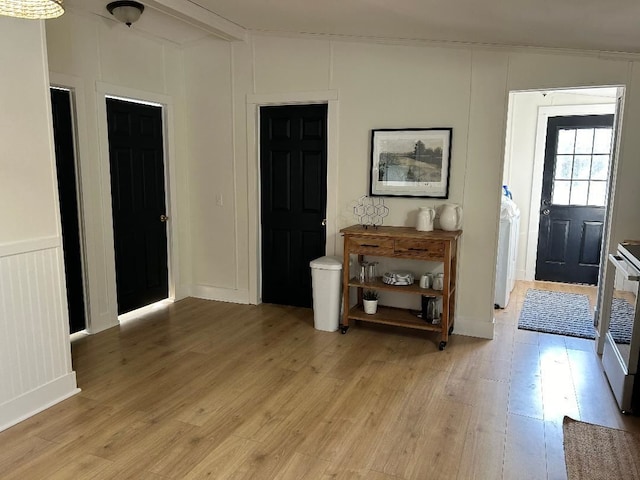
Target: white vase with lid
x=451, y=217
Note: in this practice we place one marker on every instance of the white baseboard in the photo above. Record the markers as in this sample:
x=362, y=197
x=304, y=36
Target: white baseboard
x=35, y=401
x=474, y=327
x=220, y=294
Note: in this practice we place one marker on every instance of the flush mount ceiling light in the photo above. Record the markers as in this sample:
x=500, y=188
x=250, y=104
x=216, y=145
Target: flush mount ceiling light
x=32, y=9
x=127, y=12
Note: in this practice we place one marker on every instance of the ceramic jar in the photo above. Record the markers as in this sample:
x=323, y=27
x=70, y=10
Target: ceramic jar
x=450, y=217
x=426, y=216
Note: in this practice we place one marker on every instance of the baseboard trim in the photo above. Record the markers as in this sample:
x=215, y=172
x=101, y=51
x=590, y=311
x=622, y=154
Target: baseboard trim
x=474, y=327
x=220, y=294
x=28, y=404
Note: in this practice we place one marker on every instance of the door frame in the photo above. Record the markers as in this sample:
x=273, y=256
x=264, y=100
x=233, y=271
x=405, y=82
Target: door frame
x=544, y=113
x=254, y=102
x=104, y=90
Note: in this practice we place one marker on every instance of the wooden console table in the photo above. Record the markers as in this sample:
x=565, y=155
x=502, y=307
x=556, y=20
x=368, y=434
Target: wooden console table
x=401, y=242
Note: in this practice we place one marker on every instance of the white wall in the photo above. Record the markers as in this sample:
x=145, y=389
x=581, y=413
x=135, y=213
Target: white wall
x=386, y=86
x=95, y=57
x=35, y=353
x=520, y=153
x=375, y=86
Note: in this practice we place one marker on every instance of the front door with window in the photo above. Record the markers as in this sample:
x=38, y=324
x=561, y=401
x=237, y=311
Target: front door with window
x=138, y=201
x=574, y=191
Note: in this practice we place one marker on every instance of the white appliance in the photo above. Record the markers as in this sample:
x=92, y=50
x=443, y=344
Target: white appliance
x=620, y=357
x=507, y=251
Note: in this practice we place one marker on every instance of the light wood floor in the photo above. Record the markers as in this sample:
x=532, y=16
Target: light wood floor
x=213, y=390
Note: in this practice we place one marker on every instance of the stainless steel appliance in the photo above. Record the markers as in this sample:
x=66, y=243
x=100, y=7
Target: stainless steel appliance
x=622, y=339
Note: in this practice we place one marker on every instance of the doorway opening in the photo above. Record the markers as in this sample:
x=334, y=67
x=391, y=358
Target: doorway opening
x=559, y=153
x=62, y=109
x=138, y=199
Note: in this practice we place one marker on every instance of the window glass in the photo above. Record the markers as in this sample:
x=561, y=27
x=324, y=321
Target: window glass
x=581, y=167
x=564, y=164
x=561, y=190
x=600, y=167
x=579, y=192
x=602, y=140
x=597, y=193
x=566, y=141
x=584, y=140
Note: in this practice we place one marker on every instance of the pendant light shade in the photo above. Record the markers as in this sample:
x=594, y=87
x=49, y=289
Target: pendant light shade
x=32, y=9
x=127, y=12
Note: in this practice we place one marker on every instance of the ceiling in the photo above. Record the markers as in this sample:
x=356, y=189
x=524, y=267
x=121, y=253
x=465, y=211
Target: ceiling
x=612, y=25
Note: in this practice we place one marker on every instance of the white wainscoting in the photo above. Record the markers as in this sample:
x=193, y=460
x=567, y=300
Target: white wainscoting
x=35, y=350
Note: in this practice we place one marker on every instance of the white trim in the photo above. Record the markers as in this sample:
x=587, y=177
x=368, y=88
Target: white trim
x=544, y=112
x=31, y=245
x=264, y=99
x=20, y=408
x=474, y=327
x=254, y=102
x=104, y=90
x=208, y=292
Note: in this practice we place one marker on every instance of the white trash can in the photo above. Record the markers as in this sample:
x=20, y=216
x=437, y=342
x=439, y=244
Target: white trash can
x=326, y=277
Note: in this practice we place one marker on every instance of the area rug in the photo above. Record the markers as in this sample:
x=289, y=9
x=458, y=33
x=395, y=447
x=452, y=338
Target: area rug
x=557, y=312
x=600, y=453
x=622, y=315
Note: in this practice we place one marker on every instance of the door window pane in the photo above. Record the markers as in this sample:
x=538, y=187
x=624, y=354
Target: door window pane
x=579, y=192
x=564, y=164
x=561, y=190
x=584, y=140
x=600, y=167
x=602, y=140
x=597, y=193
x=566, y=141
x=581, y=167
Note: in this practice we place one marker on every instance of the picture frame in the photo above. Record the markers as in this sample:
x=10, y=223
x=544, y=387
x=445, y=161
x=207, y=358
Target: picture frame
x=411, y=162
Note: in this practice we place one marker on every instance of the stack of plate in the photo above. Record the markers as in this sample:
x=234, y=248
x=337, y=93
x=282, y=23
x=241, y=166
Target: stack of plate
x=398, y=278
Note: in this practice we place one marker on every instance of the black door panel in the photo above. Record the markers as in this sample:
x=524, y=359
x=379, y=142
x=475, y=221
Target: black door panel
x=293, y=171
x=138, y=203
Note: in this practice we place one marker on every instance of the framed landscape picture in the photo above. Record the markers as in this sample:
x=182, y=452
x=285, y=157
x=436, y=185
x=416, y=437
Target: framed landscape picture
x=412, y=162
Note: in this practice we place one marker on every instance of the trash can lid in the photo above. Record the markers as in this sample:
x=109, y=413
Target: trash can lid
x=326, y=263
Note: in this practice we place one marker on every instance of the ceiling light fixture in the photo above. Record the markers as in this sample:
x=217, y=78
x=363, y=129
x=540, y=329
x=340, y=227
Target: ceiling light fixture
x=32, y=9
x=127, y=12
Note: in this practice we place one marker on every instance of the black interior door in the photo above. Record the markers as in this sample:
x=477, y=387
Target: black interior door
x=138, y=202
x=574, y=190
x=68, y=197
x=293, y=172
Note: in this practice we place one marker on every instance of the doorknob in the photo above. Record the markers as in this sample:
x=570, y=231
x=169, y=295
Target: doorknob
x=324, y=222
x=163, y=218
x=546, y=211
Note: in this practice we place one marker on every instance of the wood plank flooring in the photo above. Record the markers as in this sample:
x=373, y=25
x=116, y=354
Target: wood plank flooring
x=213, y=390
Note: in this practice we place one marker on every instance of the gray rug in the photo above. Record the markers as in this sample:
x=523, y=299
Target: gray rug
x=557, y=312
x=570, y=314
x=621, y=320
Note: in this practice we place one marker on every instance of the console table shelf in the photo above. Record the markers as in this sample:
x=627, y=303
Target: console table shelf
x=408, y=243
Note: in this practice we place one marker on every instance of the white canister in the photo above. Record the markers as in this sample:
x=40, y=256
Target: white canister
x=426, y=280
x=426, y=215
x=450, y=217
x=438, y=281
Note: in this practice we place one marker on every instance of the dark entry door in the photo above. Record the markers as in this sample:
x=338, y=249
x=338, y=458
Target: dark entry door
x=293, y=172
x=138, y=202
x=68, y=197
x=574, y=191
